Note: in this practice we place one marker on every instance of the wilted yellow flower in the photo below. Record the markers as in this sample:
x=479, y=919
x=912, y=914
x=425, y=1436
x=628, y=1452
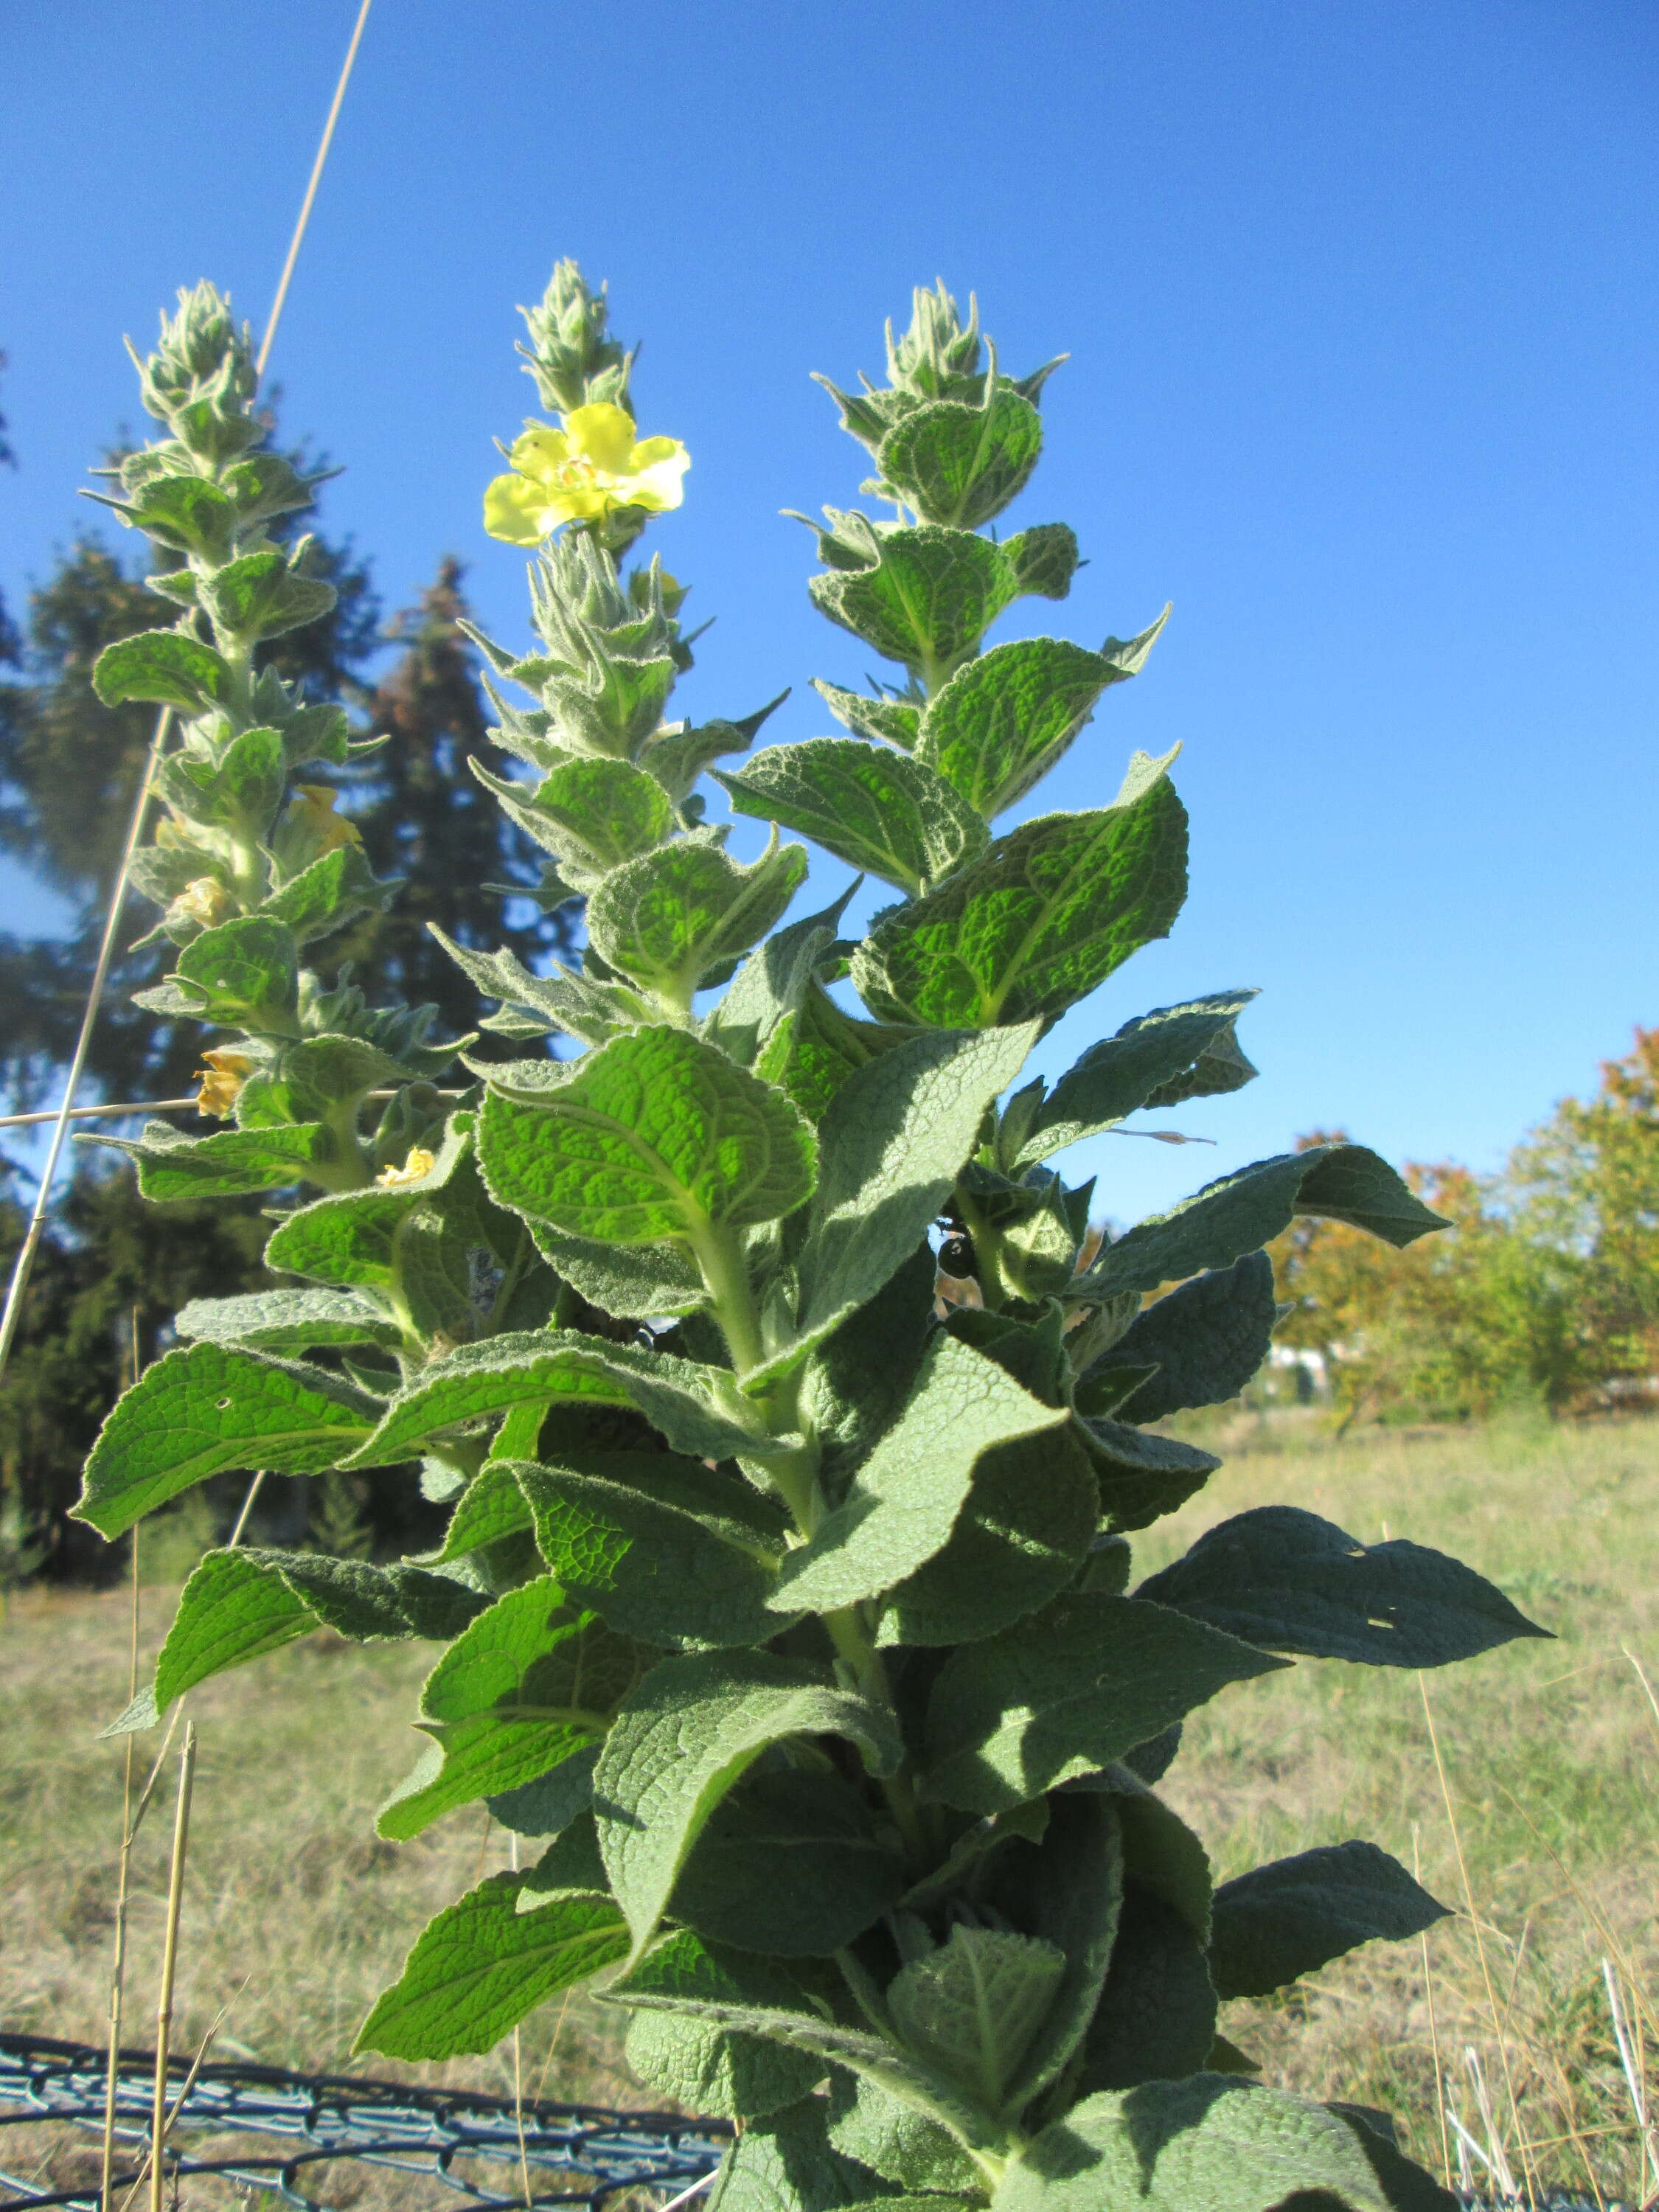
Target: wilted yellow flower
x=206, y=901
x=222, y=1082
x=311, y=810
x=420, y=1162
x=594, y=464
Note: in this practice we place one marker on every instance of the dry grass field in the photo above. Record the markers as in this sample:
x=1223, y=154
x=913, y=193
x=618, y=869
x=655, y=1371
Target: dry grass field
x=295, y=1915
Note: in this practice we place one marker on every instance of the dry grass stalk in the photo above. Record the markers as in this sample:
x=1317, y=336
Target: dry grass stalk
x=123, y=1887
x=235, y=1537
x=518, y=2062
x=169, y=1966
x=1631, y=2061
x=177, y=2106
x=1434, y=2031
x=1480, y=1947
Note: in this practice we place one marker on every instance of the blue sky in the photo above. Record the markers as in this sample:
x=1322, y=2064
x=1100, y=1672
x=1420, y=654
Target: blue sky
x=1360, y=303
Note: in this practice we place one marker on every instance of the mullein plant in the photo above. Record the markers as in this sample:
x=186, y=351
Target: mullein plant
x=796, y=1424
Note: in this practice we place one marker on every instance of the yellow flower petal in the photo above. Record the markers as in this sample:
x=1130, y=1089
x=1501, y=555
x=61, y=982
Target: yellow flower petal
x=660, y=487
x=512, y=509
x=539, y=450
x=602, y=433
x=420, y=1162
x=312, y=804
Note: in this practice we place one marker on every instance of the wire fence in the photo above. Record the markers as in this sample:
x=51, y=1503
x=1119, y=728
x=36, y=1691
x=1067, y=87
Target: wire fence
x=259, y=2128
x=486, y=2152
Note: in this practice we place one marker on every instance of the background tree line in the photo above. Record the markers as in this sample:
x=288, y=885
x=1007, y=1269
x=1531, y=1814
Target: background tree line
x=113, y=1267
x=1545, y=1291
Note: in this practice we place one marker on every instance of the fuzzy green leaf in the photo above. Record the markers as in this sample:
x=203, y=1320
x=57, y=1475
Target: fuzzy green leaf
x=1043, y=559
x=904, y=1500
x=288, y=1321
x=244, y=975
x=1064, y=1886
x=1205, y=1341
x=856, y=1384
x=961, y=464
x=208, y=1407
x=1067, y=1690
x=705, y=2070
x=655, y=1135
x=1291, y=1917
x=1023, y=1532
x=1211, y=2143
x=671, y=918
x=480, y=1966
x=243, y=785
x=187, y=513
x=872, y=808
x=163, y=665
x=891, y=1146
x=336, y=889
x=591, y=813
x=995, y=729
x=259, y=595
x=630, y=1534
x=895, y=720
x=526, y=1685
x=929, y=599
x=895, y=2141
x=234, y=1608
x=684, y=1401
x=1032, y=926
x=1241, y=1213
x=570, y=1867
x=595, y=1012
x=772, y=984
x=971, y=2008
x=791, y=1864
x=679, y=1976
x=784, y=2164
x=1142, y=1474
x=1156, y=2019
x=1158, y=1060
x=682, y=1740
x=238, y=1605
x=549, y=1804
x=323, y=1072
x=351, y=1239
x=172, y=1165
x=1160, y=1852
x=634, y=1282
x=1294, y=1582
x=491, y=1507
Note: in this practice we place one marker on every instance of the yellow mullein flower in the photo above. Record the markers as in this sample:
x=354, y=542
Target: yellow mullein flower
x=420, y=1162
x=222, y=1082
x=204, y=900
x=311, y=810
x=594, y=464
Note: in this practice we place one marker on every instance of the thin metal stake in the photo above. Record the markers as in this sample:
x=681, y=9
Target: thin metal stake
x=24, y=1263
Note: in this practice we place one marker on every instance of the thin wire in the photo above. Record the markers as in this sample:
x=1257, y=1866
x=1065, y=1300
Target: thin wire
x=130, y=1106
x=112, y=1113
x=323, y=146
x=23, y=1267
